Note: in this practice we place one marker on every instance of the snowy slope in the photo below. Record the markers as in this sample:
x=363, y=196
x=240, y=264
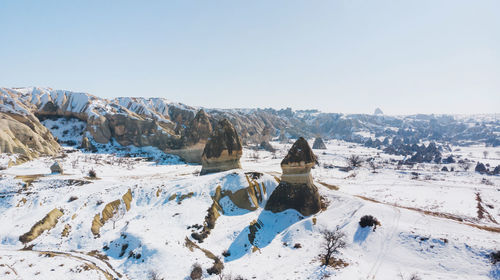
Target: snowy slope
x=170, y=200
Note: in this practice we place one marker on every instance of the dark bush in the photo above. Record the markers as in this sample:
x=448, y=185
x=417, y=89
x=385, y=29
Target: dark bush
x=92, y=173
x=226, y=253
x=495, y=257
x=72, y=198
x=196, y=272
x=354, y=161
x=368, y=221
x=297, y=246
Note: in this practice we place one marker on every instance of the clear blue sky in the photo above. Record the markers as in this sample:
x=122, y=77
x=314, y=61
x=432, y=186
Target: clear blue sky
x=337, y=56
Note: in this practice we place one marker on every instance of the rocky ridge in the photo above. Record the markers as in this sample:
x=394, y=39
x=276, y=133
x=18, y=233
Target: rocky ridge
x=166, y=125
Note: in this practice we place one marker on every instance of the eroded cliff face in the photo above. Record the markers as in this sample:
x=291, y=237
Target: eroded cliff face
x=296, y=189
x=223, y=149
x=194, y=138
x=172, y=127
x=21, y=132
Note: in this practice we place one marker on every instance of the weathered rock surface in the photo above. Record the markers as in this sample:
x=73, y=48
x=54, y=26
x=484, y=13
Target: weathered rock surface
x=319, y=144
x=223, y=149
x=265, y=145
x=496, y=171
x=481, y=168
x=195, y=138
x=21, y=132
x=56, y=168
x=86, y=144
x=296, y=189
x=47, y=223
x=166, y=125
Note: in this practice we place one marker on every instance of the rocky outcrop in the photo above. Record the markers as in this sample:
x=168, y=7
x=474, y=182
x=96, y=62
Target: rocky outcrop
x=496, y=171
x=265, y=145
x=296, y=189
x=195, y=138
x=47, y=223
x=87, y=145
x=481, y=168
x=56, y=168
x=110, y=210
x=21, y=132
x=164, y=124
x=223, y=149
x=319, y=144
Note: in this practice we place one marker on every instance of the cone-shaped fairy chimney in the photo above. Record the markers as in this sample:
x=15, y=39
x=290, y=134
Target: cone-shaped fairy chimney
x=223, y=149
x=296, y=189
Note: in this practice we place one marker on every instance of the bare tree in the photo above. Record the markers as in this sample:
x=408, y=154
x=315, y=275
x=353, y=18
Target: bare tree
x=118, y=213
x=354, y=161
x=414, y=276
x=485, y=154
x=373, y=166
x=333, y=240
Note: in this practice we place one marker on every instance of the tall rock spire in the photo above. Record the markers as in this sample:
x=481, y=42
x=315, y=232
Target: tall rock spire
x=223, y=149
x=296, y=189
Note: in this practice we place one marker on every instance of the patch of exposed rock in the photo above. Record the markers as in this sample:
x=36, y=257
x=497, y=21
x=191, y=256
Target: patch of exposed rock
x=319, y=144
x=223, y=149
x=56, y=168
x=481, y=168
x=195, y=137
x=21, y=132
x=265, y=145
x=87, y=145
x=47, y=223
x=296, y=189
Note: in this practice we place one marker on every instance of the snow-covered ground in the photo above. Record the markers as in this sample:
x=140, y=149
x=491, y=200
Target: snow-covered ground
x=430, y=224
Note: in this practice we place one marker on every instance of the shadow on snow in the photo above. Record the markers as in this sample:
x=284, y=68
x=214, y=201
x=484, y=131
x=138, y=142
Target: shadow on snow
x=262, y=232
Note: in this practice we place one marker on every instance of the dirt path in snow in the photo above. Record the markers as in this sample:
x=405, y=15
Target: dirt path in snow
x=94, y=263
x=456, y=218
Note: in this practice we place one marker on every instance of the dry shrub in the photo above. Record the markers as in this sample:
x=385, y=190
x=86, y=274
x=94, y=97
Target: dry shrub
x=196, y=272
x=369, y=221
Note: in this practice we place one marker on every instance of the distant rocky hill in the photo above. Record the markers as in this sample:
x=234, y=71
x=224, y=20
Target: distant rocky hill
x=181, y=129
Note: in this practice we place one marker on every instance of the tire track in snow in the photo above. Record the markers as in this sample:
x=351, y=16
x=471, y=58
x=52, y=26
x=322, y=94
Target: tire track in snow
x=386, y=246
x=100, y=265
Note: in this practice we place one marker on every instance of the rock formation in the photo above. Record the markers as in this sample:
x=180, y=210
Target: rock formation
x=481, y=168
x=266, y=146
x=496, y=171
x=86, y=144
x=223, y=149
x=195, y=138
x=21, y=132
x=56, y=168
x=296, y=189
x=319, y=144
